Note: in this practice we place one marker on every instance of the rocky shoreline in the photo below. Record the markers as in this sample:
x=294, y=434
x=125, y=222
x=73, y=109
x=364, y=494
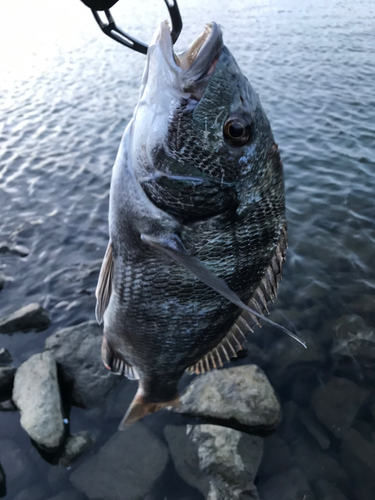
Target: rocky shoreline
x=229, y=450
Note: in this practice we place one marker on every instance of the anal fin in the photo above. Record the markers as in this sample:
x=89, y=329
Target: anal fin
x=116, y=363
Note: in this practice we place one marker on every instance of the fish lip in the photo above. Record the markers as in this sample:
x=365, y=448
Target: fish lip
x=198, y=61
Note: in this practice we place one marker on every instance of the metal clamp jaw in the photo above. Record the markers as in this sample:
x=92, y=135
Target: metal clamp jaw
x=110, y=28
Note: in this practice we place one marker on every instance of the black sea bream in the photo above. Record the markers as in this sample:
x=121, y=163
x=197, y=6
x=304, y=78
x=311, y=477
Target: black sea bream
x=196, y=221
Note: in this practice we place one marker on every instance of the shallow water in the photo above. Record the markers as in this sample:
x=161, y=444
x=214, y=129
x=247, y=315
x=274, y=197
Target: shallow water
x=66, y=94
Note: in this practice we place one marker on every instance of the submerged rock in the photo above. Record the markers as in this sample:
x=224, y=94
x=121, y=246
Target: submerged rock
x=37, y=396
x=75, y=446
x=277, y=456
x=2, y=281
x=185, y=458
x=68, y=495
x=3, y=486
x=241, y=396
x=5, y=357
x=30, y=317
x=337, y=403
x=364, y=450
x=34, y=492
x=288, y=485
x=6, y=378
x=17, y=467
x=125, y=467
x=230, y=459
x=77, y=351
x=353, y=338
x=327, y=491
x=7, y=405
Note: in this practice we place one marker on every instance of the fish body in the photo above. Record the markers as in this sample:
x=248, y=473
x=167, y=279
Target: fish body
x=196, y=221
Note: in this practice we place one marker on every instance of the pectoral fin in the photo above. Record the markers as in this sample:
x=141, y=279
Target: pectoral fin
x=104, y=287
x=174, y=248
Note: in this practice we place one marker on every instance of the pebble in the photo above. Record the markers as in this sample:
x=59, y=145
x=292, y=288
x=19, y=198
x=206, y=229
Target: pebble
x=125, y=467
x=77, y=351
x=240, y=395
x=229, y=458
x=29, y=317
x=37, y=396
x=336, y=404
x=75, y=446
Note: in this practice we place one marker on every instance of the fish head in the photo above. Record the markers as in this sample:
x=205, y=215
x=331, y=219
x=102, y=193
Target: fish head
x=198, y=117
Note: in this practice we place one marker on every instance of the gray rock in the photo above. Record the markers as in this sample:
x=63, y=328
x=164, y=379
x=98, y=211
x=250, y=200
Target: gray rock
x=20, y=250
x=315, y=428
x=34, y=492
x=185, y=458
x=30, y=317
x=77, y=351
x=6, y=378
x=229, y=458
x=289, y=485
x=353, y=338
x=130, y=461
x=17, y=467
x=277, y=456
x=326, y=491
x=5, y=357
x=360, y=447
x=7, y=405
x=336, y=404
x=75, y=446
x=240, y=395
x=37, y=396
x=68, y=495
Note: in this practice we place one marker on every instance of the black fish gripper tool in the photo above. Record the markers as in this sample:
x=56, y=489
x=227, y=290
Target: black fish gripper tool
x=116, y=33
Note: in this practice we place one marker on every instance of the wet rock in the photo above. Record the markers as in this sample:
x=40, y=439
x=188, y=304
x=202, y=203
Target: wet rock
x=77, y=351
x=336, y=404
x=37, y=396
x=5, y=357
x=241, y=395
x=276, y=457
x=353, y=338
x=6, y=378
x=68, y=495
x=34, y=492
x=289, y=485
x=229, y=458
x=75, y=446
x=3, y=486
x=20, y=250
x=7, y=405
x=315, y=429
x=315, y=464
x=360, y=447
x=130, y=461
x=326, y=491
x=185, y=457
x=17, y=467
x=30, y=317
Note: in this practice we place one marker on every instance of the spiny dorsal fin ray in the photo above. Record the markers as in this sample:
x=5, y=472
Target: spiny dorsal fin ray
x=104, y=288
x=117, y=364
x=174, y=248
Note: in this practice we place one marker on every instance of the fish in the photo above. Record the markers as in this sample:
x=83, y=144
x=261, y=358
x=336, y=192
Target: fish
x=197, y=227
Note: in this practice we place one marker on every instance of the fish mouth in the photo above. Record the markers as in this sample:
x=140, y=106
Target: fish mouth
x=197, y=63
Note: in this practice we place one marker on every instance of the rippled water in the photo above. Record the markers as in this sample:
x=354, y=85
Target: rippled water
x=66, y=94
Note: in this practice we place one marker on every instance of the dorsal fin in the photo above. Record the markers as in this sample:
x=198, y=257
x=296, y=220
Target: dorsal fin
x=266, y=291
x=104, y=288
x=116, y=363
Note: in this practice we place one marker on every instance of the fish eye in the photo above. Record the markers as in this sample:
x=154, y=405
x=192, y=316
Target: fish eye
x=237, y=130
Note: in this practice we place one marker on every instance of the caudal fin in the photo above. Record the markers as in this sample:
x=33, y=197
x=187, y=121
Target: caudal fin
x=139, y=409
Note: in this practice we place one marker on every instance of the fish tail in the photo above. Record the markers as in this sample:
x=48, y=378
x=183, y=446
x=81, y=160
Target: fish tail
x=139, y=408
